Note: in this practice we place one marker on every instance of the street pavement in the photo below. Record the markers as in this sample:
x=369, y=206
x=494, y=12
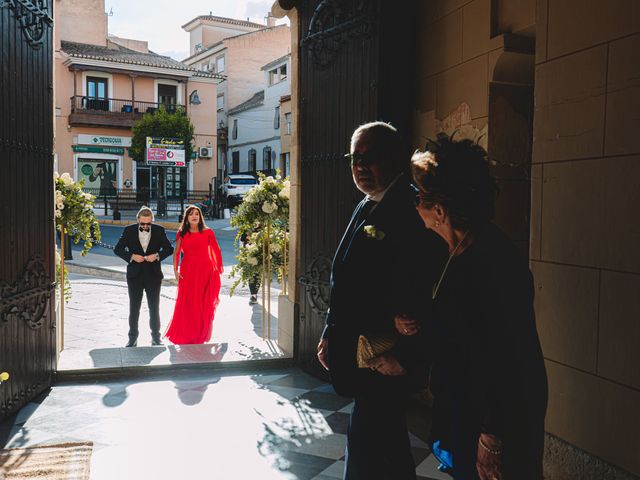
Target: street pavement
x=96, y=317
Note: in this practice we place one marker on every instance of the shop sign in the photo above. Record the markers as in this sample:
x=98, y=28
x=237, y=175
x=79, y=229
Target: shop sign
x=105, y=140
x=87, y=149
x=165, y=152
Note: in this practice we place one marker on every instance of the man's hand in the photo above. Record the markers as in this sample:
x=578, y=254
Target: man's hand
x=137, y=258
x=489, y=462
x=323, y=357
x=406, y=326
x=151, y=258
x=386, y=364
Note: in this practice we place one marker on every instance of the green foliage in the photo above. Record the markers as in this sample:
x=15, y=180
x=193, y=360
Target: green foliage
x=74, y=216
x=161, y=123
x=265, y=204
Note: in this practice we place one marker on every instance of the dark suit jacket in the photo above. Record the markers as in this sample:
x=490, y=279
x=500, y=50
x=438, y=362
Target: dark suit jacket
x=129, y=244
x=373, y=279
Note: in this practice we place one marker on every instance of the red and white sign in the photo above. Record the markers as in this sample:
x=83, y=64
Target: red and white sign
x=166, y=152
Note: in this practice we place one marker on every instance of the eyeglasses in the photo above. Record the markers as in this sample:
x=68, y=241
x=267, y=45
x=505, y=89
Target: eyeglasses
x=363, y=159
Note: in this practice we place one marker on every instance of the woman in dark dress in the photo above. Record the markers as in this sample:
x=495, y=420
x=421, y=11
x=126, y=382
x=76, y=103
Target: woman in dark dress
x=488, y=379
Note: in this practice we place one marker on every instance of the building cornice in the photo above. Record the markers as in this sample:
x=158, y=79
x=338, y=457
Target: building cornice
x=72, y=62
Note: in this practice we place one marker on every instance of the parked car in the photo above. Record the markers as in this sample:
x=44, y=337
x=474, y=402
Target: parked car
x=235, y=187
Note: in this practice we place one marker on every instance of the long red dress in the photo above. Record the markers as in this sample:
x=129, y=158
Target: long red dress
x=198, y=289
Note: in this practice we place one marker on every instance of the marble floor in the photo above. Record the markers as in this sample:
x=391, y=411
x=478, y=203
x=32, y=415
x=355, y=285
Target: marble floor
x=275, y=424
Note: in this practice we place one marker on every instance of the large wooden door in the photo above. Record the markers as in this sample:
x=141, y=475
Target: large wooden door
x=27, y=269
x=350, y=72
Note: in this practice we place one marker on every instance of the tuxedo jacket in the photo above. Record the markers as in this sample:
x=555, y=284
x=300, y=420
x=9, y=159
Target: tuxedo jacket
x=129, y=244
x=384, y=265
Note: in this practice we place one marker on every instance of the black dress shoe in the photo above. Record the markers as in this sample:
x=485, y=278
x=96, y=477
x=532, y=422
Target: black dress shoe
x=132, y=343
x=155, y=342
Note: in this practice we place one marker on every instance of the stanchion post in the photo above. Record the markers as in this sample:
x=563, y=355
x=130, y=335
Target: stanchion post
x=269, y=281
x=62, y=239
x=284, y=267
x=262, y=284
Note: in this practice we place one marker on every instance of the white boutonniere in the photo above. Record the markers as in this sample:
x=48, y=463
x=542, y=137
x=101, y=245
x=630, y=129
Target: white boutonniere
x=372, y=232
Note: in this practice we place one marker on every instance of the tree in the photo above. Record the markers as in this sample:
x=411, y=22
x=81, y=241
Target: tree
x=161, y=123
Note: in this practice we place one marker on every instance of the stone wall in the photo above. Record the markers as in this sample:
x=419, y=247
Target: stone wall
x=585, y=226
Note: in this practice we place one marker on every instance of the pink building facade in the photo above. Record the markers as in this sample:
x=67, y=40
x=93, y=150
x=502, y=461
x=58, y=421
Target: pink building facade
x=103, y=86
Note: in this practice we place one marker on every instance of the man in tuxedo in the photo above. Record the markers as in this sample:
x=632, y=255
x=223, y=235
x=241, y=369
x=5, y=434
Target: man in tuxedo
x=143, y=246
x=381, y=268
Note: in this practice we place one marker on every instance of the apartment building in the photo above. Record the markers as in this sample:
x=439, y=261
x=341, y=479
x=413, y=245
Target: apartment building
x=103, y=85
x=238, y=50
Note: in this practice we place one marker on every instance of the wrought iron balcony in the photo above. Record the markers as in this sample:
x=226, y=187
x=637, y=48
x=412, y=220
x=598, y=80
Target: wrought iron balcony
x=112, y=112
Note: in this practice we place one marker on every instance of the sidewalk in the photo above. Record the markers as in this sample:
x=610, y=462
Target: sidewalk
x=96, y=325
x=96, y=320
x=167, y=222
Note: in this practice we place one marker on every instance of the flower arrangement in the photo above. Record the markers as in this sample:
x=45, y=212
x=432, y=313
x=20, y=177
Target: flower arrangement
x=73, y=216
x=263, y=216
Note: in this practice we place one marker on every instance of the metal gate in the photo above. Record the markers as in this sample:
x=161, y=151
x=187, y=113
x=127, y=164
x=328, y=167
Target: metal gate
x=349, y=74
x=27, y=314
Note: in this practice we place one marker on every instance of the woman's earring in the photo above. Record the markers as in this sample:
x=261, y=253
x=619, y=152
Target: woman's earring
x=437, y=223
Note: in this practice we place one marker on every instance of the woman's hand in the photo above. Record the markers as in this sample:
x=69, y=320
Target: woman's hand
x=489, y=462
x=177, y=274
x=406, y=326
x=386, y=364
x=323, y=348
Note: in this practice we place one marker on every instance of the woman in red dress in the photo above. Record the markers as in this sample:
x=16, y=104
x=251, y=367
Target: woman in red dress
x=198, y=280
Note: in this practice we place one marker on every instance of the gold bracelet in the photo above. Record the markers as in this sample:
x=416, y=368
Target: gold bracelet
x=484, y=447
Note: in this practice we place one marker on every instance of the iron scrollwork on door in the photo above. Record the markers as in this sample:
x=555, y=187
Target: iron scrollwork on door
x=316, y=283
x=28, y=298
x=33, y=18
x=334, y=22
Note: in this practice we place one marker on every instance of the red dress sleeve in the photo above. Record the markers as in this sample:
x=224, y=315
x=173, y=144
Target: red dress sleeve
x=215, y=250
x=178, y=237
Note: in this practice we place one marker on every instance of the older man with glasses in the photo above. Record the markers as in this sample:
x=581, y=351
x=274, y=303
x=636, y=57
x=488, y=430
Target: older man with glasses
x=378, y=271
x=143, y=246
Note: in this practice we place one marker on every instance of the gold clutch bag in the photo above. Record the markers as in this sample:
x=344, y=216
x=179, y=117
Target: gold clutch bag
x=370, y=346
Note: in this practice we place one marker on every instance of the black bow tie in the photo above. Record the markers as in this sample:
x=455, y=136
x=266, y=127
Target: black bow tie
x=144, y=230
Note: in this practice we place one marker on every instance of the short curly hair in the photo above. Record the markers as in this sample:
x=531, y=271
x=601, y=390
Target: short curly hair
x=455, y=175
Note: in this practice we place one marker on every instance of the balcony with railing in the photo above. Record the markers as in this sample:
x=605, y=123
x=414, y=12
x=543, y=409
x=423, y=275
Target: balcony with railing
x=112, y=112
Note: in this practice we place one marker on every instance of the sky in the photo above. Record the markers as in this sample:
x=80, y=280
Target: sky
x=160, y=21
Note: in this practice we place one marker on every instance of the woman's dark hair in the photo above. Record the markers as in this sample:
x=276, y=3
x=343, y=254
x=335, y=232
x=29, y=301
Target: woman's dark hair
x=184, y=226
x=455, y=175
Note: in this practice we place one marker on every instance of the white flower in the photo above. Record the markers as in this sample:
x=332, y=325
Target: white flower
x=60, y=206
x=274, y=248
x=58, y=214
x=66, y=178
x=252, y=261
x=55, y=176
x=269, y=179
x=269, y=207
x=252, y=249
x=285, y=193
x=278, y=177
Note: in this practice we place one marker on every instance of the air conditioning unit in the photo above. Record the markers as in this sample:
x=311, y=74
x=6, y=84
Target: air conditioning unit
x=205, y=152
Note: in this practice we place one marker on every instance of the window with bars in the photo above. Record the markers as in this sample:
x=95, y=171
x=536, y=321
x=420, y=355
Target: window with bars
x=266, y=158
x=252, y=160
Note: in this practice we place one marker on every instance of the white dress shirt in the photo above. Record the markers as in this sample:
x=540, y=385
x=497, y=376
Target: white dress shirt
x=145, y=238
